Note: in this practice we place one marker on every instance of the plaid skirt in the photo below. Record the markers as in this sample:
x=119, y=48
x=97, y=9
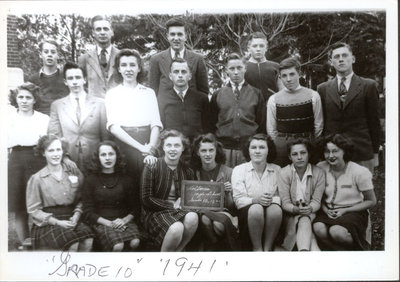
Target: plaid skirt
x=355, y=222
x=107, y=237
x=158, y=223
x=56, y=237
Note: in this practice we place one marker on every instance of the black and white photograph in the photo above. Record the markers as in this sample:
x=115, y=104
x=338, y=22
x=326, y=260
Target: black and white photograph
x=174, y=141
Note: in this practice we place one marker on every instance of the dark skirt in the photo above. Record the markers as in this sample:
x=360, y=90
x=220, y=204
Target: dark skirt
x=22, y=163
x=355, y=222
x=107, y=237
x=56, y=237
x=158, y=223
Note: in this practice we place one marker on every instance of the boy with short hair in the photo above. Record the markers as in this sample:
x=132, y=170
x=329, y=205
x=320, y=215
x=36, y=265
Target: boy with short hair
x=237, y=111
x=260, y=72
x=49, y=78
x=183, y=107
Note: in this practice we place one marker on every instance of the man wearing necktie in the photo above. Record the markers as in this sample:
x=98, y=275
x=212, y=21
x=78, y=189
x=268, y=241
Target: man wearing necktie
x=160, y=63
x=99, y=62
x=183, y=108
x=79, y=118
x=350, y=105
x=237, y=111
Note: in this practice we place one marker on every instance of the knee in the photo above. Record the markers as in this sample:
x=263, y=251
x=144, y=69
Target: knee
x=304, y=222
x=274, y=211
x=191, y=220
x=256, y=212
x=118, y=247
x=340, y=234
x=176, y=230
x=218, y=228
x=74, y=247
x=134, y=244
x=206, y=221
x=86, y=245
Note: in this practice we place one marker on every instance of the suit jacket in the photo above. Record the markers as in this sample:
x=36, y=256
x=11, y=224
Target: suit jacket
x=81, y=139
x=160, y=65
x=189, y=117
x=98, y=82
x=358, y=119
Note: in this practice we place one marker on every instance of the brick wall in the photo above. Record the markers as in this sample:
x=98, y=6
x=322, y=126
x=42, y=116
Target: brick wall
x=13, y=58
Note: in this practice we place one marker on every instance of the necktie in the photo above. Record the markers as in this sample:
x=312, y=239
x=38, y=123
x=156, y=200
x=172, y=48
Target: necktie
x=236, y=91
x=103, y=58
x=180, y=94
x=78, y=111
x=176, y=55
x=342, y=90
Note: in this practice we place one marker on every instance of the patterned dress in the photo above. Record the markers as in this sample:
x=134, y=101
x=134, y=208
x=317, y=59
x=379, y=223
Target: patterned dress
x=158, y=214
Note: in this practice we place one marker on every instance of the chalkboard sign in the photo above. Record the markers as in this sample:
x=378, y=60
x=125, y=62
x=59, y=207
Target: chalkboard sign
x=202, y=195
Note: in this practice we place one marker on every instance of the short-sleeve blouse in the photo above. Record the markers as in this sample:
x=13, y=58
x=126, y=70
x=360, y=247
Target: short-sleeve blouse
x=346, y=191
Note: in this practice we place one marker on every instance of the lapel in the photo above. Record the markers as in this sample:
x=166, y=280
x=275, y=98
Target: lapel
x=166, y=61
x=114, y=52
x=332, y=92
x=354, y=89
x=69, y=109
x=93, y=61
x=189, y=57
x=90, y=105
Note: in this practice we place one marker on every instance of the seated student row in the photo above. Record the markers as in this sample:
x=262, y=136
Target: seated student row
x=53, y=199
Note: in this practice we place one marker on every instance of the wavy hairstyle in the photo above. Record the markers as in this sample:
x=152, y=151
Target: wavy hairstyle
x=141, y=76
x=342, y=142
x=310, y=146
x=173, y=133
x=45, y=141
x=28, y=86
x=206, y=138
x=94, y=166
x=270, y=144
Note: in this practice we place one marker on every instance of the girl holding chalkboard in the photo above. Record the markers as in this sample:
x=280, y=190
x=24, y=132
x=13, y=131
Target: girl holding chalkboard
x=168, y=225
x=301, y=186
x=108, y=202
x=208, y=160
x=255, y=192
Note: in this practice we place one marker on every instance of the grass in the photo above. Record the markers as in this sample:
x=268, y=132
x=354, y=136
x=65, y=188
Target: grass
x=377, y=216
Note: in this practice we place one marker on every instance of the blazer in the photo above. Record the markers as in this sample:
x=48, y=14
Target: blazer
x=160, y=65
x=81, y=139
x=358, y=119
x=98, y=83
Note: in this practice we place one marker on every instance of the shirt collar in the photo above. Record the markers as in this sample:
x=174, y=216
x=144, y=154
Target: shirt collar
x=348, y=77
x=42, y=71
x=44, y=172
x=240, y=84
x=82, y=97
x=249, y=167
x=108, y=49
x=183, y=91
x=181, y=53
x=308, y=170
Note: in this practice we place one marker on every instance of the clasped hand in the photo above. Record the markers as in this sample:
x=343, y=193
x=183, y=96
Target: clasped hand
x=335, y=213
x=118, y=224
x=264, y=200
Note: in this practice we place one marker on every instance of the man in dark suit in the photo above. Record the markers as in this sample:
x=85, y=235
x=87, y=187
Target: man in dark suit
x=350, y=106
x=78, y=117
x=183, y=108
x=161, y=62
x=99, y=62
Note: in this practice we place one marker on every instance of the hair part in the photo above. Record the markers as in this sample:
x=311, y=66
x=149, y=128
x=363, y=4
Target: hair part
x=341, y=141
x=27, y=86
x=180, y=61
x=270, y=144
x=173, y=133
x=94, y=164
x=338, y=45
x=72, y=65
x=257, y=35
x=99, y=18
x=45, y=141
x=220, y=157
x=141, y=76
x=49, y=41
x=234, y=56
x=288, y=63
x=175, y=22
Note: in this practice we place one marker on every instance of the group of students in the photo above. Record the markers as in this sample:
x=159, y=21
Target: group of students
x=137, y=144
